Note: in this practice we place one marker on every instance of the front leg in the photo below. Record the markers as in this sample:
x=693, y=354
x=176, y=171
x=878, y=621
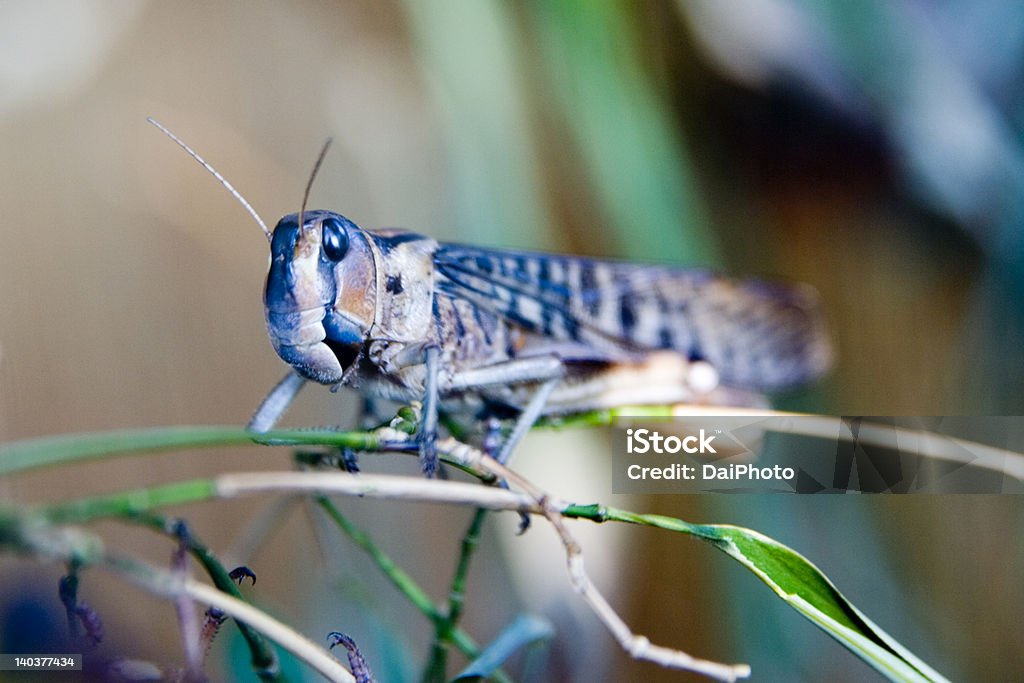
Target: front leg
x=276, y=403
x=427, y=435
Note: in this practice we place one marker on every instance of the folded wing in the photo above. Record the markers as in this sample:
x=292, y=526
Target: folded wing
x=757, y=335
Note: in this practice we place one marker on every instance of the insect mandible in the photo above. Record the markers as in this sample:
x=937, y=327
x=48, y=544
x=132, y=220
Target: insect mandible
x=397, y=315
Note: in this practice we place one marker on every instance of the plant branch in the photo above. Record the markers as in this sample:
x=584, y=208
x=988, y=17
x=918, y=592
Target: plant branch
x=165, y=584
x=447, y=624
x=264, y=659
x=637, y=646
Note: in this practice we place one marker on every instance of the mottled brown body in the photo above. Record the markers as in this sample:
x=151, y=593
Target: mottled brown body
x=397, y=315
x=620, y=333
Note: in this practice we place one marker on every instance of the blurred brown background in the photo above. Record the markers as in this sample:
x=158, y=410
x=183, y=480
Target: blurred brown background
x=870, y=150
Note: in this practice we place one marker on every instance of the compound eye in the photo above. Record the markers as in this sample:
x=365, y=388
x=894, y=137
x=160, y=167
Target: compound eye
x=335, y=239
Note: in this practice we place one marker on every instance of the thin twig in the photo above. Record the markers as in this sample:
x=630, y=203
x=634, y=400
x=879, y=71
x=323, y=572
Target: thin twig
x=638, y=646
x=920, y=442
x=185, y=608
x=373, y=486
x=263, y=657
x=537, y=501
x=163, y=583
x=40, y=452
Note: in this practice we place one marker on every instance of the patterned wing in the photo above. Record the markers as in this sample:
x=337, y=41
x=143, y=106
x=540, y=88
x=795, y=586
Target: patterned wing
x=756, y=335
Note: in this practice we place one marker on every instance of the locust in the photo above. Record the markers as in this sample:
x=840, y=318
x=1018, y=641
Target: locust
x=517, y=335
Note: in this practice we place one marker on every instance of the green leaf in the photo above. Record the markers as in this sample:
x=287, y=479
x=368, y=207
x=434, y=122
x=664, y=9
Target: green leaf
x=16, y=456
x=807, y=590
x=797, y=581
x=524, y=630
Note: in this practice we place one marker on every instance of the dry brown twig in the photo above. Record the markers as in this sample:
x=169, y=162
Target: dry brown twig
x=637, y=646
x=529, y=499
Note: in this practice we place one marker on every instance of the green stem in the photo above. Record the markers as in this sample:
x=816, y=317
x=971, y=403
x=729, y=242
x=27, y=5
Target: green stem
x=402, y=581
x=263, y=656
x=605, y=417
x=456, y=601
x=46, y=451
x=128, y=504
x=601, y=513
x=405, y=584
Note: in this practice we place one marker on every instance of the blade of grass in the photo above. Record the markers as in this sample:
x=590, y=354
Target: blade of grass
x=525, y=630
x=17, y=456
x=797, y=581
x=24, y=531
x=263, y=657
x=790, y=576
x=622, y=130
x=403, y=582
x=445, y=626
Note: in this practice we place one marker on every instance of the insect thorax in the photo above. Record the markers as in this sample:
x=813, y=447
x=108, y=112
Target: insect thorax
x=405, y=286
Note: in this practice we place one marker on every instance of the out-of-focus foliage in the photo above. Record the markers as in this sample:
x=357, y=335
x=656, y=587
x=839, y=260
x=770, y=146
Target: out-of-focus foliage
x=871, y=149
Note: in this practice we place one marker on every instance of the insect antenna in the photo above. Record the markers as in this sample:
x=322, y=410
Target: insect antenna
x=312, y=177
x=216, y=174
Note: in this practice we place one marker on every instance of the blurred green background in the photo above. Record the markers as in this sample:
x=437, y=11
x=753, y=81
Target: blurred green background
x=872, y=149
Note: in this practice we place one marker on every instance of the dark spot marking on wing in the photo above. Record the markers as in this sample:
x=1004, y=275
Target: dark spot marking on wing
x=627, y=314
x=665, y=338
x=438, y=323
x=659, y=297
x=546, y=316
x=591, y=293
x=512, y=309
x=484, y=264
x=572, y=327
x=485, y=327
x=522, y=273
x=460, y=327
x=544, y=272
x=394, y=284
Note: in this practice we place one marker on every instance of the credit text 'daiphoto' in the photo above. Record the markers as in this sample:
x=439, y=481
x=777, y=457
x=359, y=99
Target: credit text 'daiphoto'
x=819, y=454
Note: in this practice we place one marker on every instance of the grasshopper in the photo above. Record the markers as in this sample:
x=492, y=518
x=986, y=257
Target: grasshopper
x=397, y=315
